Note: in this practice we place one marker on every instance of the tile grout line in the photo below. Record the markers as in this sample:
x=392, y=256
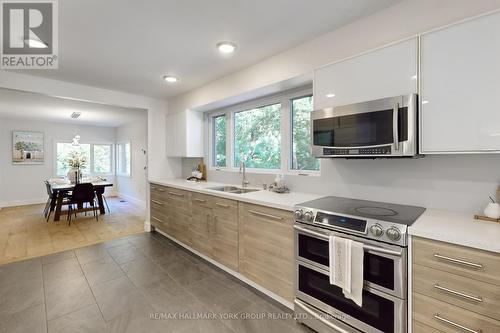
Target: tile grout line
x=88, y=284
x=44, y=299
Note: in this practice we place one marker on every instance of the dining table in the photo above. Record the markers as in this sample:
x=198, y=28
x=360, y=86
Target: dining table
x=60, y=189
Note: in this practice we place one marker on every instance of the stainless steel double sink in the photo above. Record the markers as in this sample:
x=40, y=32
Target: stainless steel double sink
x=232, y=189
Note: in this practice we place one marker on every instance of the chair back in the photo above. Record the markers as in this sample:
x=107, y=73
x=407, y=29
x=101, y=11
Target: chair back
x=83, y=192
x=49, y=189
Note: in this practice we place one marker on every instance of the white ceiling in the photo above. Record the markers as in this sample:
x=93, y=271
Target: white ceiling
x=19, y=104
x=130, y=45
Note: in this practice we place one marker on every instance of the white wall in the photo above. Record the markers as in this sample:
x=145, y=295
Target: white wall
x=460, y=182
x=134, y=187
x=400, y=21
x=23, y=184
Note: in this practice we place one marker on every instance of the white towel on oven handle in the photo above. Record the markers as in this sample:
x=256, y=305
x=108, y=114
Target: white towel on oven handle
x=346, y=267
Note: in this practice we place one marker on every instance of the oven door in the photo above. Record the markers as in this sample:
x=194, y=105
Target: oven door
x=380, y=312
x=383, y=127
x=384, y=265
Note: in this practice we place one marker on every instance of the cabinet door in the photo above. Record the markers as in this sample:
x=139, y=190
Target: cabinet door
x=176, y=134
x=266, y=248
x=224, y=232
x=201, y=217
x=461, y=87
x=180, y=203
x=386, y=72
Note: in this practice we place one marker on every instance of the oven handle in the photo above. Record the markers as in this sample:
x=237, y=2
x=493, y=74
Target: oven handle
x=319, y=317
x=395, y=125
x=366, y=247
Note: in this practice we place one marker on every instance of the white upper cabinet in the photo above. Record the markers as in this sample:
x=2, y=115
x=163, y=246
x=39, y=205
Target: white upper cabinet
x=385, y=72
x=184, y=134
x=460, y=91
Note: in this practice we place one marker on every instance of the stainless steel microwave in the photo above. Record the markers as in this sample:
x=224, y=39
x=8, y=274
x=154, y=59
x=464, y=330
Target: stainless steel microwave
x=385, y=127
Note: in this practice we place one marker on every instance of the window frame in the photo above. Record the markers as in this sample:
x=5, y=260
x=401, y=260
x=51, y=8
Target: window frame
x=285, y=99
x=123, y=174
x=213, y=159
x=91, y=160
x=290, y=164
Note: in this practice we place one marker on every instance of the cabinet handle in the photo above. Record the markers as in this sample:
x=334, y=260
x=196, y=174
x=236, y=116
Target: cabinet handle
x=200, y=200
x=157, y=219
x=157, y=202
x=222, y=205
x=208, y=223
x=395, y=125
x=265, y=215
x=458, y=261
x=161, y=189
x=215, y=224
x=176, y=194
x=449, y=322
x=153, y=187
x=458, y=293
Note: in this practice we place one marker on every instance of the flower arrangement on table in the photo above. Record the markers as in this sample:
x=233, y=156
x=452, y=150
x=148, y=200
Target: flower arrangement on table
x=76, y=161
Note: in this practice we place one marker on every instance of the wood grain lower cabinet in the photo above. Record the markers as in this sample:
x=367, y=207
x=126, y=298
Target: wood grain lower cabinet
x=266, y=248
x=179, y=203
x=455, y=288
x=201, y=216
x=224, y=232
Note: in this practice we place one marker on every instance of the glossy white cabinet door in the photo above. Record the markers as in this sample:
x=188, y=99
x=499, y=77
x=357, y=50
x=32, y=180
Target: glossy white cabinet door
x=386, y=72
x=184, y=134
x=461, y=87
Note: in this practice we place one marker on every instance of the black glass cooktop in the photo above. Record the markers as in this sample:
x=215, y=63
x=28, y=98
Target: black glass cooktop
x=383, y=211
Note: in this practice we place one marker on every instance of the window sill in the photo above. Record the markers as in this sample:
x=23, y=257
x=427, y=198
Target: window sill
x=271, y=172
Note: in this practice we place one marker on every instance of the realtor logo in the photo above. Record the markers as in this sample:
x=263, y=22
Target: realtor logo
x=29, y=34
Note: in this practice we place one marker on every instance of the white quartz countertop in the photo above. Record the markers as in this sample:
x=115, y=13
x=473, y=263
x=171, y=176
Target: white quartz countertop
x=457, y=228
x=285, y=201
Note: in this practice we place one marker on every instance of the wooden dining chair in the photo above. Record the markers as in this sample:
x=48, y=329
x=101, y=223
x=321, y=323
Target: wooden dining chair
x=83, y=193
x=50, y=201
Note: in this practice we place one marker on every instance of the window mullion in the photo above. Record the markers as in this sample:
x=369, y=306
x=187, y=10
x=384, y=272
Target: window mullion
x=285, y=134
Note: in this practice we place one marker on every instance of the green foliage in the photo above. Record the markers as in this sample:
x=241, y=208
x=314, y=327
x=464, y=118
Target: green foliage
x=257, y=137
x=302, y=158
x=102, y=158
x=27, y=146
x=220, y=141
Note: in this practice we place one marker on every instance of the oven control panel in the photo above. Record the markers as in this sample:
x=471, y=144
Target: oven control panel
x=365, y=227
x=361, y=151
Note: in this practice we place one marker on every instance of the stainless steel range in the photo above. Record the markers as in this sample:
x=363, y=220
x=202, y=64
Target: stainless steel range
x=382, y=228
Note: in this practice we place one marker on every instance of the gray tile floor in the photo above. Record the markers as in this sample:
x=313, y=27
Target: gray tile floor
x=142, y=283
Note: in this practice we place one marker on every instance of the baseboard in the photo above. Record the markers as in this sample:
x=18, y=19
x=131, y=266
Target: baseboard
x=233, y=273
x=15, y=203
x=132, y=199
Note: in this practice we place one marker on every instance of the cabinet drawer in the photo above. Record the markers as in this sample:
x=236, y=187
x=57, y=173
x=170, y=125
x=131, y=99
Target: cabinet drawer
x=180, y=200
x=157, y=189
x=460, y=260
x=201, y=201
x=480, y=297
x=449, y=318
x=418, y=327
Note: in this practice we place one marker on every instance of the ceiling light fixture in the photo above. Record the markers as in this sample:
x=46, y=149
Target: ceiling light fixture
x=170, y=79
x=330, y=95
x=76, y=115
x=76, y=141
x=226, y=47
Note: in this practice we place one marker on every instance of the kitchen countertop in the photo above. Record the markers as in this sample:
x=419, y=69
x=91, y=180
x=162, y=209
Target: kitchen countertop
x=457, y=228
x=285, y=201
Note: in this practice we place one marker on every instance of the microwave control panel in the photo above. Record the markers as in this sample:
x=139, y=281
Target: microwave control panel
x=361, y=151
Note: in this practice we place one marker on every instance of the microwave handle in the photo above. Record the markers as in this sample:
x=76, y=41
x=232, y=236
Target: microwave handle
x=366, y=247
x=395, y=125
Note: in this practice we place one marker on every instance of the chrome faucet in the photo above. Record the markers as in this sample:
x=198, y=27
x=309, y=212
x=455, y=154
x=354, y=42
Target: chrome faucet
x=243, y=170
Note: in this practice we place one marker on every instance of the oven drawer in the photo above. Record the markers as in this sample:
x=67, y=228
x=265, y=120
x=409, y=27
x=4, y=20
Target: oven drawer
x=384, y=266
x=456, y=259
x=449, y=318
x=380, y=312
x=469, y=294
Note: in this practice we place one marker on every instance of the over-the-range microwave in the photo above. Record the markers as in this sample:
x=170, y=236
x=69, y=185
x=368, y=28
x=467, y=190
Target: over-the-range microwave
x=385, y=127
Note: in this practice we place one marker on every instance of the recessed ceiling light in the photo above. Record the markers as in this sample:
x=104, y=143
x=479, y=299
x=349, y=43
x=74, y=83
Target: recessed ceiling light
x=330, y=95
x=171, y=79
x=226, y=47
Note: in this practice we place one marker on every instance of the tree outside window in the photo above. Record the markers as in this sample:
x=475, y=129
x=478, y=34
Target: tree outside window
x=302, y=158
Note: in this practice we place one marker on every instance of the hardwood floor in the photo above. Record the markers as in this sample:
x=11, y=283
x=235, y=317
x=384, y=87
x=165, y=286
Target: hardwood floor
x=24, y=233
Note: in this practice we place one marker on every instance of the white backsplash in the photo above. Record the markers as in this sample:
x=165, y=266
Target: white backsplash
x=450, y=182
